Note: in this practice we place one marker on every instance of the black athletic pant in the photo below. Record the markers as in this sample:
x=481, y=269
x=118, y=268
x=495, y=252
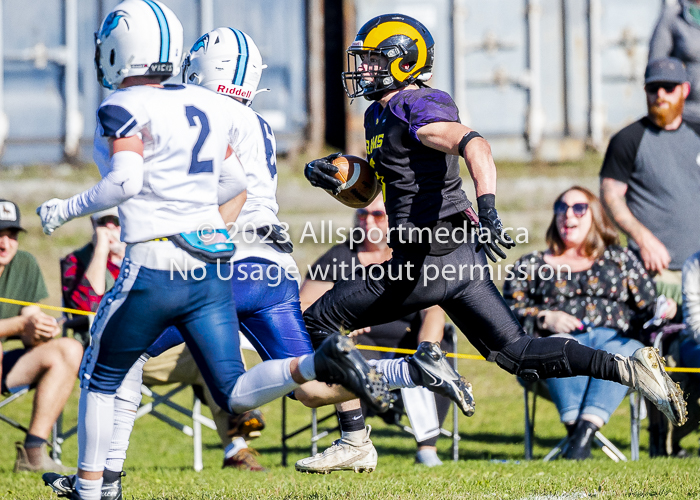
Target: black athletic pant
x=460, y=284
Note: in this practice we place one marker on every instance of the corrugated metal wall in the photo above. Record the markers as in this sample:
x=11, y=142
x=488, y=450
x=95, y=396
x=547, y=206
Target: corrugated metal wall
x=520, y=70
x=33, y=90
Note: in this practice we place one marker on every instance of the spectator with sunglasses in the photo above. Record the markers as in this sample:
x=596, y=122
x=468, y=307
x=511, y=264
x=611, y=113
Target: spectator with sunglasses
x=596, y=294
x=650, y=178
x=339, y=263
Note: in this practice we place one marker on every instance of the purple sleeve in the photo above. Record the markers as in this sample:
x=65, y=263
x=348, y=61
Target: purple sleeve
x=428, y=107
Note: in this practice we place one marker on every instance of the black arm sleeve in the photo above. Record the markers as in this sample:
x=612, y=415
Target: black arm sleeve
x=622, y=151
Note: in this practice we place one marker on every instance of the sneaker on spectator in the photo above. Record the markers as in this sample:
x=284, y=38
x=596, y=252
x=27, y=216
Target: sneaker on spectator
x=244, y=460
x=428, y=457
x=342, y=455
x=47, y=464
x=246, y=425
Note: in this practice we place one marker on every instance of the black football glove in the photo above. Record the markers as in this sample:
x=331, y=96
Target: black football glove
x=320, y=173
x=491, y=233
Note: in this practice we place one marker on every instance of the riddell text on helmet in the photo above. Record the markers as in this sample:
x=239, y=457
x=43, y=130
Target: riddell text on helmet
x=234, y=91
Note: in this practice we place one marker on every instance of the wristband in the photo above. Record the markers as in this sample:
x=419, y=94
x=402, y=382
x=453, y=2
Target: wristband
x=486, y=201
x=467, y=137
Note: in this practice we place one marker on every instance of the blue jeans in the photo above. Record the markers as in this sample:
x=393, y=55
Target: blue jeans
x=690, y=355
x=578, y=395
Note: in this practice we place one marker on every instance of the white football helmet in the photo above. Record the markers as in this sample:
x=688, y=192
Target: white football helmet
x=226, y=61
x=138, y=37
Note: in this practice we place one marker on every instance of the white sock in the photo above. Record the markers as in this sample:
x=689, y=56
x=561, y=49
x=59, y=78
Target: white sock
x=395, y=372
x=95, y=426
x=89, y=489
x=261, y=384
x=355, y=438
x=307, y=367
x=125, y=406
x=234, y=447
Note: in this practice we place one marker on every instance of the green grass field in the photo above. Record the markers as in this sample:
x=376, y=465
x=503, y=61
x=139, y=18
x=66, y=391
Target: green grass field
x=490, y=463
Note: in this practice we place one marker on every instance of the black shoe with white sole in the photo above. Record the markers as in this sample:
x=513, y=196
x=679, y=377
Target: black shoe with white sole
x=438, y=375
x=337, y=361
x=64, y=486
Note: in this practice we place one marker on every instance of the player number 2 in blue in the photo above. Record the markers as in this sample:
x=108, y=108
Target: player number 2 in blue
x=196, y=165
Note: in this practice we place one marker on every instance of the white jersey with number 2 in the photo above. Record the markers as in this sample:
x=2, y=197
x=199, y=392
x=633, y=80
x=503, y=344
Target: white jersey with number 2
x=186, y=131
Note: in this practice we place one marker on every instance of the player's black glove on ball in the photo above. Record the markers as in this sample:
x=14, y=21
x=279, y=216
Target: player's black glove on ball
x=320, y=173
x=491, y=233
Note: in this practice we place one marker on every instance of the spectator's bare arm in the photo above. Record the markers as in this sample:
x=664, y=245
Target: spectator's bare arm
x=38, y=327
x=97, y=270
x=32, y=326
x=654, y=253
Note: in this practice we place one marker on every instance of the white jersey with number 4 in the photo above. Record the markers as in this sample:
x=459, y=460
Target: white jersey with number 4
x=186, y=131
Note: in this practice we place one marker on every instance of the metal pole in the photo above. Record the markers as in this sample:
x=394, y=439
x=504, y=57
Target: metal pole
x=595, y=75
x=74, y=120
x=535, y=119
x=459, y=18
x=314, y=431
x=206, y=16
x=315, y=67
x=455, y=414
x=4, y=124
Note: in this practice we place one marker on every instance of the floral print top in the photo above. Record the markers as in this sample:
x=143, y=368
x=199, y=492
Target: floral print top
x=613, y=293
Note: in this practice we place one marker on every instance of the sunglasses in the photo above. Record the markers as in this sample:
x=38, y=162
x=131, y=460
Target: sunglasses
x=653, y=88
x=580, y=209
x=362, y=214
x=103, y=221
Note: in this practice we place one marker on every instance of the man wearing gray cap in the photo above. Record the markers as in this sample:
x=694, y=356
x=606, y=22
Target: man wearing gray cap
x=650, y=185
x=650, y=179
x=46, y=362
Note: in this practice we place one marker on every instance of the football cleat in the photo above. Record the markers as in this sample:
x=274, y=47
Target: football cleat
x=246, y=425
x=438, y=375
x=337, y=361
x=244, y=460
x=645, y=372
x=64, y=486
x=342, y=455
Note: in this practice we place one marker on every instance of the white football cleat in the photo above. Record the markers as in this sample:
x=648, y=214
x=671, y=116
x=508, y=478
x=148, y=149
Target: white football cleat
x=644, y=371
x=341, y=456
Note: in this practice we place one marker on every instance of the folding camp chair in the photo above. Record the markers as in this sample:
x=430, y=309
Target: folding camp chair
x=637, y=413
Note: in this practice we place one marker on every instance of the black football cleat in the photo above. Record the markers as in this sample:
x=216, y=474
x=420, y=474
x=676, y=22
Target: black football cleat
x=337, y=361
x=64, y=486
x=438, y=375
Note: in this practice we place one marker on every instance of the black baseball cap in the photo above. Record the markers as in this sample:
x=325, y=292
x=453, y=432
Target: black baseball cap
x=9, y=216
x=667, y=69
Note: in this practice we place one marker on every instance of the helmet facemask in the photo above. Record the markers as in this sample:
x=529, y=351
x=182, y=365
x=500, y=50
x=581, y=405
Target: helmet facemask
x=393, y=72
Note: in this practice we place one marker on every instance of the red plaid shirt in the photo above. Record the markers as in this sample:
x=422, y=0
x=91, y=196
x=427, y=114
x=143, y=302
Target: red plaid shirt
x=77, y=289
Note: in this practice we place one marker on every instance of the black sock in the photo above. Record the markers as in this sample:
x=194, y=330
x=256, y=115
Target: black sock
x=351, y=420
x=111, y=476
x=592, y=362
x=32, y=441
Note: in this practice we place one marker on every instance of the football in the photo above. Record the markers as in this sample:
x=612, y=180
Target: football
x=359, y=182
